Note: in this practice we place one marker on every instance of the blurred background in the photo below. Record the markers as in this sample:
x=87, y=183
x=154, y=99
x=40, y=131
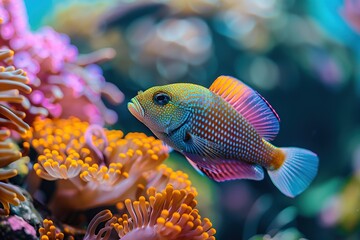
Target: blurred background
x=302, y=56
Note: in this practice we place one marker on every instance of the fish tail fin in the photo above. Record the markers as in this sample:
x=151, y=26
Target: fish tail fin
x=297, y=171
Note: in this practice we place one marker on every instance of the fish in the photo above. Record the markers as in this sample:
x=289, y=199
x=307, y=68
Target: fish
x=224, y=132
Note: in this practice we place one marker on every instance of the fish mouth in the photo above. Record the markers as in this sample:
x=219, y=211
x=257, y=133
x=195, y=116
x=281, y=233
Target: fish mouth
x=136, y=109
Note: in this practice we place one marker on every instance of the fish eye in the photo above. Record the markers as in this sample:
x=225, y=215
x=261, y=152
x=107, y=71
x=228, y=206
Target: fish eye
x=161, y=98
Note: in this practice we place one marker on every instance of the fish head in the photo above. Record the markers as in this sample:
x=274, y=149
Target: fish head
x=161, y=108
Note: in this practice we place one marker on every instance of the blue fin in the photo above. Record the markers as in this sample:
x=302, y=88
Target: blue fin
x=223, y=170
x=296, y=173
x=250, y=104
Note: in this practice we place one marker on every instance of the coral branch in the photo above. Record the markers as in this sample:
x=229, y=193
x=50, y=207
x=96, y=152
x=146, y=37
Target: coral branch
x=64, y=82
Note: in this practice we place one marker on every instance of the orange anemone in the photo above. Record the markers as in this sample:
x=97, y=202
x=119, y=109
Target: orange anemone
x=170, y=214
x=12, y=82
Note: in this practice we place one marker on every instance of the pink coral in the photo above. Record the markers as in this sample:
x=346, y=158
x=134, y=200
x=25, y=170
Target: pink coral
x=64, y=83
x=17, y=223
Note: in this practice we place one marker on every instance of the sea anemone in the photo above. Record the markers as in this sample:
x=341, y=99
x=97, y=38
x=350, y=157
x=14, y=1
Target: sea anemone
x=9, y=194
x=170, y=214
x=104, y=233
x=164, y=175
x=49, y=231
x=64, y=83
x=12, y=82
x=95, y=166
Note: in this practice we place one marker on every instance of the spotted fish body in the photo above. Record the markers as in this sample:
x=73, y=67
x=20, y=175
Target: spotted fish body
x=214, y=120
x=224, y=131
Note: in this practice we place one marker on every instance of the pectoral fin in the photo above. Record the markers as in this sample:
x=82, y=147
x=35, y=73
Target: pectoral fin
x=224, y=170
x=202, y=147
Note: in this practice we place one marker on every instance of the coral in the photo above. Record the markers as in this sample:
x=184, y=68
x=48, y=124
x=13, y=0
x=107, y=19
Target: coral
x=86, y=156
x=170, y=214
x=64, y=83
x=92, y=166
x=12, y=82
x=18, y=223
x=15, y=227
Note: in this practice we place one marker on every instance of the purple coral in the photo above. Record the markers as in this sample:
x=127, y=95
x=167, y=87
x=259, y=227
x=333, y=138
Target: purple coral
x=16, y=223
x=64, y=83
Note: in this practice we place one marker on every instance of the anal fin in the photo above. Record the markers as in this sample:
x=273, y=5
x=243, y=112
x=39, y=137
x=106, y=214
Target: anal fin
x=195, y=166
x=224, y=170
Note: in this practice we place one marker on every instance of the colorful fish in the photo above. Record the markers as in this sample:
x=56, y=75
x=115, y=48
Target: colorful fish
x=224, y=131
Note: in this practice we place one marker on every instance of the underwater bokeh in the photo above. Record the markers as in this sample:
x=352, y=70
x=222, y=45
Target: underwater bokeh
x=75, y=164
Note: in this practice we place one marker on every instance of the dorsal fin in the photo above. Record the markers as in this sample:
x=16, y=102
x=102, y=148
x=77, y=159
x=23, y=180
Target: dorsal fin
x=253, y=107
